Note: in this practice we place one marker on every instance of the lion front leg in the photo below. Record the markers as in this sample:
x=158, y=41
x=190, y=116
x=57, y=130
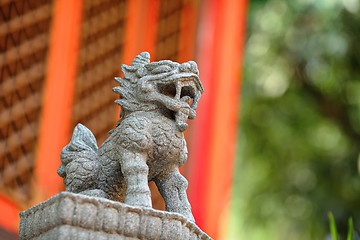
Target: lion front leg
x=135, y=171
x=173, y=187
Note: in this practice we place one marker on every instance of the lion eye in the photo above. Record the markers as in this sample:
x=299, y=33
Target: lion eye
x=161, y=69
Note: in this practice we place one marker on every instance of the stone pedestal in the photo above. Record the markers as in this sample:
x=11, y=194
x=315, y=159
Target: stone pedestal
x=75, y=216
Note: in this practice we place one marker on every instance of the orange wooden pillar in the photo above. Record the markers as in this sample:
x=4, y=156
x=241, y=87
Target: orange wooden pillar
x=141, y=28
x=58, y=96
x=189, y=23
x=9, y=217
x=219, y=56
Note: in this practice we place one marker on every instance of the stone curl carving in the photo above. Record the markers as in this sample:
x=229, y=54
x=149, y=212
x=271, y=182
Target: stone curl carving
x=156, y=99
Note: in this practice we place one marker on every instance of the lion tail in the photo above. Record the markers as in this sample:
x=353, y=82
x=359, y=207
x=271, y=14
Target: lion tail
x=79, y=156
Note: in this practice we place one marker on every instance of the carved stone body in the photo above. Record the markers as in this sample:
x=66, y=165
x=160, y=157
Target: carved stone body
x=147, y=144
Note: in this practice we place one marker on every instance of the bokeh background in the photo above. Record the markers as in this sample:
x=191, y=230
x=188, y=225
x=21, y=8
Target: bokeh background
x=299, y=136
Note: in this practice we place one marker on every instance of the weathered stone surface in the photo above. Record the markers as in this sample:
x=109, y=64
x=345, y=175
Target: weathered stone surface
x=148, y=144
x=75, y=216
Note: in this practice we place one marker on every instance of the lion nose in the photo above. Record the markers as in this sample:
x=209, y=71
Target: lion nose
x=189, y=67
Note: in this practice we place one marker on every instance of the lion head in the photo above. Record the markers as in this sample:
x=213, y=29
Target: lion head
x=173, y=88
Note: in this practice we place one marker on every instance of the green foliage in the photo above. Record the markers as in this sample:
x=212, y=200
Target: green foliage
x=299, y=136
x=333, y=231
x=351, y=230
x=351, y=234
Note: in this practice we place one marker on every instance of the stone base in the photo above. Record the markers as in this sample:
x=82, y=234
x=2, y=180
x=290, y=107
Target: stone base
x=76, y=216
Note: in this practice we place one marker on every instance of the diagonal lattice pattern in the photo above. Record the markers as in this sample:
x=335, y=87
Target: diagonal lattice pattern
x=167, y=45
x=24, y=40
x=100, y=55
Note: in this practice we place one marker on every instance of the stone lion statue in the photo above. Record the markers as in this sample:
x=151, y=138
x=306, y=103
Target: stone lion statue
x=148, y=144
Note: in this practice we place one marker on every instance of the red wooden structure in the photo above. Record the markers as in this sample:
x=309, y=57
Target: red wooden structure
x=58, y=58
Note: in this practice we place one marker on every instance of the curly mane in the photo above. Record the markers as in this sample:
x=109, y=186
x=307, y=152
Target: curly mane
x=128, y=100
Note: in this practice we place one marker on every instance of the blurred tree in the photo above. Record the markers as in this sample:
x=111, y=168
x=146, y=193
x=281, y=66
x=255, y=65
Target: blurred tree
x=299, y=135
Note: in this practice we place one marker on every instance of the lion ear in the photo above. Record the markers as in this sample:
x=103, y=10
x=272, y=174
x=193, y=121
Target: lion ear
x=141, y=59
x=129, y=73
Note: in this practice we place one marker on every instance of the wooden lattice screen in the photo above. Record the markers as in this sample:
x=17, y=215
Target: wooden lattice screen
x=169, y=30
x=100, y=56
x=24, y=43
x=25, y=29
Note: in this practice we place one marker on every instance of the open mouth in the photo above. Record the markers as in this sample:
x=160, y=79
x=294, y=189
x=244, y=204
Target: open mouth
x=178, y=87
x=172, y=91
x=184, y=90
